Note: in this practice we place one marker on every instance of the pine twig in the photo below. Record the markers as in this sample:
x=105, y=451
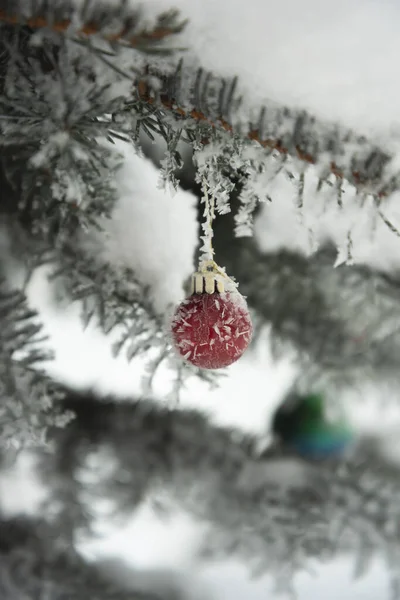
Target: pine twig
x=143, y=37
x=255, y=134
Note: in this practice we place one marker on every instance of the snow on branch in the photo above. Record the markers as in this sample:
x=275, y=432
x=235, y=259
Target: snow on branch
x=253, y=505
x=191, y=94
x=257, y=147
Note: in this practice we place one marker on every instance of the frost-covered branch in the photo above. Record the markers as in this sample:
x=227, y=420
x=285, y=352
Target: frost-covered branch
x=252, y=148
x=195, y=97
x=56, y=175
x=274, y=511
x=178, y=102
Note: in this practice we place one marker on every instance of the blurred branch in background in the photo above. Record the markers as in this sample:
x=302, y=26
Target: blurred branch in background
x=34, y=563
x=276, y=511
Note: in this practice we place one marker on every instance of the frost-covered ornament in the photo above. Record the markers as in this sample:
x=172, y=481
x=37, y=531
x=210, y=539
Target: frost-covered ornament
x=212, y=327
x=301, y=424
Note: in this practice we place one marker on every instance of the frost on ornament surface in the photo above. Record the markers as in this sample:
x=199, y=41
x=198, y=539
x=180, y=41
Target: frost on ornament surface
x=212, y=331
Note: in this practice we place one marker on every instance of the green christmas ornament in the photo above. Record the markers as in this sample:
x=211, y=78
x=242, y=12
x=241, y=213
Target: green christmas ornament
x=301, y=424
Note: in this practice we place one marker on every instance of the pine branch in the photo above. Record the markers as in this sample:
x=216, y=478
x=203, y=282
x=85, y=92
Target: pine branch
x=255, y=505
x=234, y=141
x=193, y=96
x=56, y=169
x=94, y=20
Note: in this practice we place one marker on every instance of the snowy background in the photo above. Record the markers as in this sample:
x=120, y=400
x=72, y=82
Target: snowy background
x=337, y=60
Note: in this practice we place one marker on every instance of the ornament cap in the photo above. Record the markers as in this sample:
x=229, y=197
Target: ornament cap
x=211, y=279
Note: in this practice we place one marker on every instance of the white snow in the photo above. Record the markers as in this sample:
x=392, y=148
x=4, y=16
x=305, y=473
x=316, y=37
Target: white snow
x=21, y=491
x=151, y=231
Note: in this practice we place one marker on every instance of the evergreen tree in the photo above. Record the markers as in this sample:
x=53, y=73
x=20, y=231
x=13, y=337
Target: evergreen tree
x=79, y=82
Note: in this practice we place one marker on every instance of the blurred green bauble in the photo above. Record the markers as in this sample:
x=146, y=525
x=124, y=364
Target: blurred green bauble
x=302, y=425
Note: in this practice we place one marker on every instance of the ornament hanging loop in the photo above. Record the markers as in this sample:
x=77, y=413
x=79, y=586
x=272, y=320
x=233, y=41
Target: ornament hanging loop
x=210, y=278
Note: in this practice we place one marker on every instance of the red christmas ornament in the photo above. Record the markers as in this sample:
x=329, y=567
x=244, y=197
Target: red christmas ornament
x=212, y=327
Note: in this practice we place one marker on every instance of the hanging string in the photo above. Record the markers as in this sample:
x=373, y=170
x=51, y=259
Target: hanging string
x=207, y=226
x=207, y=263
